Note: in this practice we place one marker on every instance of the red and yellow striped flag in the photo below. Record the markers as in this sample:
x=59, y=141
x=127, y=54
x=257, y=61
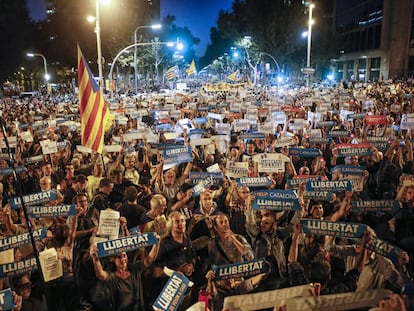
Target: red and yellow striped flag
x=94, y=111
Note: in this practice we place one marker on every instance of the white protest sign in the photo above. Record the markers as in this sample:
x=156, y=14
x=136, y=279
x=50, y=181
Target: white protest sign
x=215, y=116
x=26, y=136
x=267, y=128
x=48, y=146
x=215, y=168
x=265, y=300
x=112, y=148
x=237, y=169
x=200, y=142
x=284, y=141
x=51, y=265
x=241, y=125
x=83, y=149
x=173, y=135
x=296, y=124
x=270, y=162
x=109, y=223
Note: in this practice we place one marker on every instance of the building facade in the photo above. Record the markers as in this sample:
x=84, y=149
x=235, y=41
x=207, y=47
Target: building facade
x=376, y=39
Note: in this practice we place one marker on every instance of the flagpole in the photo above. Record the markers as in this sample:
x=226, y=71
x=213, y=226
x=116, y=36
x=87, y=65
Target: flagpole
x=20, y=195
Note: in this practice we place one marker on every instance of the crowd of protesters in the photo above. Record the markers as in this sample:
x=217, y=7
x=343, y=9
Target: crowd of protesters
x=219, y=225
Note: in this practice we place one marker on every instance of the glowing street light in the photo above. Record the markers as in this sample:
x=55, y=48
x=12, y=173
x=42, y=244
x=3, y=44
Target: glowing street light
x=46, y=76
x=156, y=26
x=309, y=35
x=96, y=19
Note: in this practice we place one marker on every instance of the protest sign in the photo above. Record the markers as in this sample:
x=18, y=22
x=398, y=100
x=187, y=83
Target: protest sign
x=265, y=300
x=6, y=299
x=196, y=177
x=270, y=162
x=383, y=206
x=243, y=269
x=14, y=241
x=109, y=223
x=254, y=181
x=286, y=200
x=33, y=199
x=51, y=211
x=237, y=169
x=173, y=292
x=345, y=150
x=329, y=185
x=25, y=265
x=338, y=229
x=338, y=302
x=295, y=182
x=176, y=156
x=125, y=244
x=304, y=152
x=202, y=186
x=51, y=265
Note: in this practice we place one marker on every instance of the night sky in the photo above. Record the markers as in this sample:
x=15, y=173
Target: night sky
x=198, y=15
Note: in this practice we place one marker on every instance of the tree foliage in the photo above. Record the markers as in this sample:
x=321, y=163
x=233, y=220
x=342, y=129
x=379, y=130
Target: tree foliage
x=275, y=27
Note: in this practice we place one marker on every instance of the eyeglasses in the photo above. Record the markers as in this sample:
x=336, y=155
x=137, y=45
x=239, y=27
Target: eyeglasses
x=24, y=286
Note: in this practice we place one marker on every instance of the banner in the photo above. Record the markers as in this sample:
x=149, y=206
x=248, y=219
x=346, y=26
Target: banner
x=6, y=299
x=286, y=200
x=385, y=249
x=243, y=269
x=376, y=120
x=338, y=302
x=21, y=239
x=319, y=140
x=349, y=169
x=305, y=152
x=237, y=169
x=338, y=133
x=51, y=211
x=383, y=206
x=318, y=195
x=176, y=156
x=173, y=292
x=333, y=228
x=252, y=135
x=9, y=170
x=284, y=142
x=126, y=244
x=196, y=177
x=345, y=150
x=294, y=182
x=33, y=199
x=270, y=162
x=325, y=124
x=17, y=267
x=265, y=300
x=329, y=185
x=254, y=181
x=202, y=186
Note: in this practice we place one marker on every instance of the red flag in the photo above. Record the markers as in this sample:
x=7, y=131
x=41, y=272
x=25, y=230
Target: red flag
x=94, y=112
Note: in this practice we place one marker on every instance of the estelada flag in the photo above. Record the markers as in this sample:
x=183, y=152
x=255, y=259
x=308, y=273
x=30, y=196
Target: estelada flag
x=94, y=111
x=191, y=69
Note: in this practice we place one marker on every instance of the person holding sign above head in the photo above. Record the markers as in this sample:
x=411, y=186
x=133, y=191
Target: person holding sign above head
x=175, y=251
x=124, y=283
x=228, y=248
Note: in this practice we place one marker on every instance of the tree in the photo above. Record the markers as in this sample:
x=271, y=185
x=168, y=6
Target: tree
x=275, y=27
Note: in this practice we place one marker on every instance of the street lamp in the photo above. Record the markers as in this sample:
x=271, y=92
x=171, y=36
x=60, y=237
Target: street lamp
x=46, y=76
x=156, y=26
x=131, y=46
x=308, y=56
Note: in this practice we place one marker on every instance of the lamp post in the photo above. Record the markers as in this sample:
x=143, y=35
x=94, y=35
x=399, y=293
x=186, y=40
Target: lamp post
x=156, y=26
x=46, y=76
x=131, y=46
x=308, y=55
x=98, y=45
